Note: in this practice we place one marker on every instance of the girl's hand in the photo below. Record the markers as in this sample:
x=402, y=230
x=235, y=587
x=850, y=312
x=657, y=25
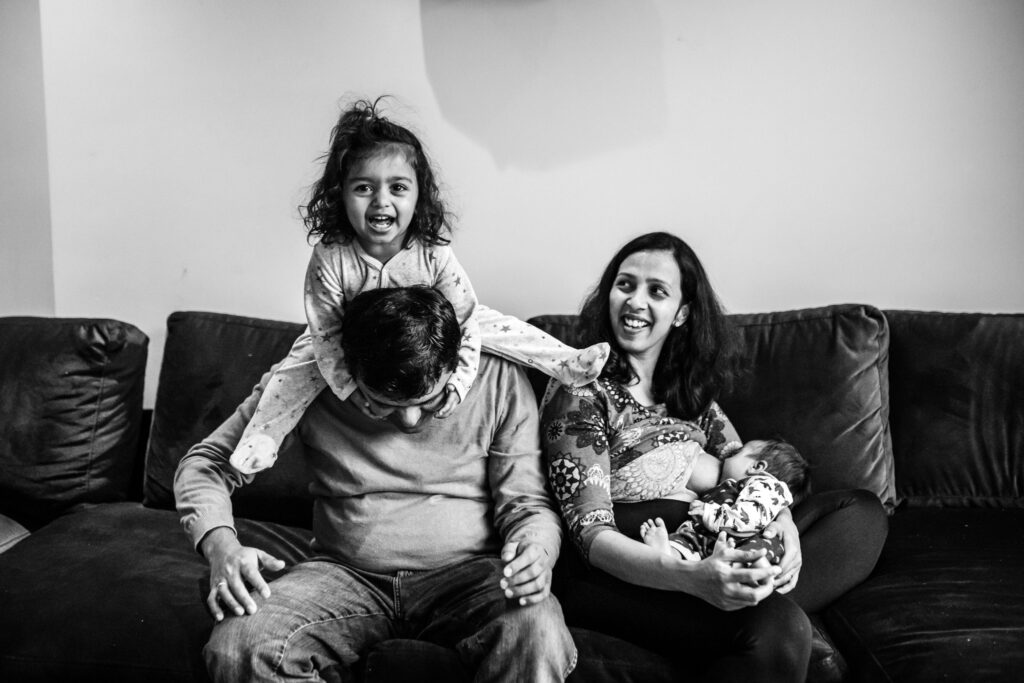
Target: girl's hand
x=728, y=583
x=792, y=559
x=697, y=509
x=365, y=405
x=451, y=399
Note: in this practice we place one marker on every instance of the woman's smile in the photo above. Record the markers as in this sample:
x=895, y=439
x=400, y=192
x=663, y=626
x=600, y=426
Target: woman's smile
x=646, y=301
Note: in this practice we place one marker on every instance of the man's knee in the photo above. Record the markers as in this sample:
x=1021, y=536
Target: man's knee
x=232, y=652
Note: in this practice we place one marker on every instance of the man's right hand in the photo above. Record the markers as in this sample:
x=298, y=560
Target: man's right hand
x=728, y=583
x=234, y=567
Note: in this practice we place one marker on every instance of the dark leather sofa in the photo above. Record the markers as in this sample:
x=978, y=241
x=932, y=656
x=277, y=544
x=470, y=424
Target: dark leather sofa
x=98, y=582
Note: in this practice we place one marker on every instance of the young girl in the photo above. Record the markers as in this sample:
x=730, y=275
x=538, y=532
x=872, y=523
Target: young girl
x=381, y=223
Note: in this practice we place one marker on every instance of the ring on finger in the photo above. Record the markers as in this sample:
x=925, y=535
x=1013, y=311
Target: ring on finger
x=220, y=584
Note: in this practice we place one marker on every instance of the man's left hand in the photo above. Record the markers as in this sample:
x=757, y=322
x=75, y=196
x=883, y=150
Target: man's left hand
x=527, y=574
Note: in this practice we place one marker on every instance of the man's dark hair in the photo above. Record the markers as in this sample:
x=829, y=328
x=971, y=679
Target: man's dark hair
x=399, y=341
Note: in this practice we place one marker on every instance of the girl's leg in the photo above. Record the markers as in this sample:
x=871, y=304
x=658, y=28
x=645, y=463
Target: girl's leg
x=291, y=388
x=841, y=537
x=522, y=343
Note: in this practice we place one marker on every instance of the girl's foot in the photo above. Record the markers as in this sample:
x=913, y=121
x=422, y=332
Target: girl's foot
x=584, y=367
x=254, y=454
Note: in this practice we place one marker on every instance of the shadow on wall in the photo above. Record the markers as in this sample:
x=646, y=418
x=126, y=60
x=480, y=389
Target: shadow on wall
x=541, y=83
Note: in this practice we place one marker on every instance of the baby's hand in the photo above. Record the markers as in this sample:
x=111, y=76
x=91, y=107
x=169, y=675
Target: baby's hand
x=697, y=508
x=451, y=399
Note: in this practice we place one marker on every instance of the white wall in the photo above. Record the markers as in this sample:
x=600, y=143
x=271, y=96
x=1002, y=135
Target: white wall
x=26, y=254
x=812, y=153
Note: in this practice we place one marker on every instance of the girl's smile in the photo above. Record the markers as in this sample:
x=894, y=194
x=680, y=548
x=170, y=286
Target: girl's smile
x=380, y=195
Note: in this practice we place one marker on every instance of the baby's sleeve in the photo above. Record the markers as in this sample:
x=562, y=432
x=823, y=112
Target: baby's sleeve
x=759, y=501
x=451, y=280
x=325, y=310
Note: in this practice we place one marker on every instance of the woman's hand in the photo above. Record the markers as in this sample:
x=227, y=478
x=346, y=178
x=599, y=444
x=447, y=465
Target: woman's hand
x=792, y=560
x=234, y=567
x=728, y=583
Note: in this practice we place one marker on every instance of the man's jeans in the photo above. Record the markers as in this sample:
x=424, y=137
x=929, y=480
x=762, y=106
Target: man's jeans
x=321, y=614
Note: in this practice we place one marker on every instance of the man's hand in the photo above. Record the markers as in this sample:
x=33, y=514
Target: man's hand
x=728, y=583
x=792, y=559
x=232, y=567
x=527, y=574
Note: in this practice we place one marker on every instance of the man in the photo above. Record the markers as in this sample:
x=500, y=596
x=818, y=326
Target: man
x=423, y=528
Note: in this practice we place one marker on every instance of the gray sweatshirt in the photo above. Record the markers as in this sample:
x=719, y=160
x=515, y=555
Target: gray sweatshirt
x=387, y=501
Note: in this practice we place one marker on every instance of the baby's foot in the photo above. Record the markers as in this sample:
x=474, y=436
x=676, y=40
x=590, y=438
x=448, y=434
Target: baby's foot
x=585, y=366
x=256, y=453
x=655, y=535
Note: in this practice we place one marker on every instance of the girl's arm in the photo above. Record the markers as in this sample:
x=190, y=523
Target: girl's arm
x=325, y=310
x=451, y=280
x=759, y=501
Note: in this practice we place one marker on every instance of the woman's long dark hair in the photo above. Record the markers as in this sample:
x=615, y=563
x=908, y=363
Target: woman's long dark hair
x=360, y=133
x=697, y=362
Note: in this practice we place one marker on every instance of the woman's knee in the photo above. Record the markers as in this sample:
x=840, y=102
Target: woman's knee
x=778, y=637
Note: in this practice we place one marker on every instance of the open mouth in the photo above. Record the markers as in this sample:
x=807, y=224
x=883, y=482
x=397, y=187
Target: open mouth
x=633, y=323
x=380, y=221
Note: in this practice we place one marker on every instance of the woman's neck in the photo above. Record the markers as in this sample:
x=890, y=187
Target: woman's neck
x=642, y=388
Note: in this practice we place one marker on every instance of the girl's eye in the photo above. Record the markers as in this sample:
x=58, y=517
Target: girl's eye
x=399, y=188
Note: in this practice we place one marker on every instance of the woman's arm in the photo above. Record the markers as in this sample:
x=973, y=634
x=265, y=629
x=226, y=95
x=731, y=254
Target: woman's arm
x=575, y=433
x=721, y=579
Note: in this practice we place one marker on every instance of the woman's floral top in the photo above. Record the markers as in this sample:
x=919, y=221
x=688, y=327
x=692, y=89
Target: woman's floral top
x=602, y=446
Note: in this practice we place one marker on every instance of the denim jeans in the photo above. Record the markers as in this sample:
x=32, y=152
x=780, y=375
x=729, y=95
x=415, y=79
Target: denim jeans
x=324, y=614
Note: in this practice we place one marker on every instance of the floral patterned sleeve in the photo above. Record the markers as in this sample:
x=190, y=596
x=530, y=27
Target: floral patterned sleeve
x=722, y=437
x=574, y=434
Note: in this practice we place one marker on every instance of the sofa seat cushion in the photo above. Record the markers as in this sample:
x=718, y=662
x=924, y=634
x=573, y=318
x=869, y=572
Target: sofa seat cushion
x=114, y=592
x=69, y=413
x=944, y=602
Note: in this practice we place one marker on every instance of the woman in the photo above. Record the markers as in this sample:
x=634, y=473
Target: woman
x=672, y=355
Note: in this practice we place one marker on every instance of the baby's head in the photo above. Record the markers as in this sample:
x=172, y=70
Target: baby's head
x=775, y=457
x=362, y=135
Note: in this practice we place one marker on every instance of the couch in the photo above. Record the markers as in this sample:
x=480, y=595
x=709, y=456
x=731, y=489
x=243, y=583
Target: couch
x=98, y=581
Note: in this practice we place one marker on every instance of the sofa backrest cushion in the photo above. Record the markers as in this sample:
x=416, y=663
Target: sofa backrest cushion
x=211, y=363
x=957, y=387
x=70, y=411
x=817, y=378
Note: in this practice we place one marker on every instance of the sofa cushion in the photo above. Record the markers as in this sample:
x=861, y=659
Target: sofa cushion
x=211, y=363
x=944, y=602
x=957, y=388
x=816, y=377
x=115, y=593
x=69, y=413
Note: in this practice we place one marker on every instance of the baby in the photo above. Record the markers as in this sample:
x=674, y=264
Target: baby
x=754, y=484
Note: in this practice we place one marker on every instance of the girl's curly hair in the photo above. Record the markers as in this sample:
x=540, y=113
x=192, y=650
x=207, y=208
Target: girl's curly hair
x=361, y=133
x=698, y=360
